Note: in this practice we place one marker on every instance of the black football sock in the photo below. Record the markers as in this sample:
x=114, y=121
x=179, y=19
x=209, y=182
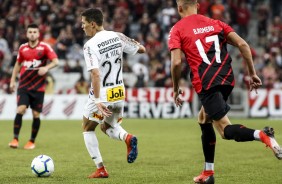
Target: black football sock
x=35, y=128
x=17, y=125
x=208, y=142
x=239, y=133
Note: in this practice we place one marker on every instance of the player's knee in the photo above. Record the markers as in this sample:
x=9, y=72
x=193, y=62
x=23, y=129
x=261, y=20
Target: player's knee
x=203, y=119
x=35, y=114
x=104, y=127
x=200, y=117
x=220, y=129
x=21, y=110
x=89, y=126
x=200, y=121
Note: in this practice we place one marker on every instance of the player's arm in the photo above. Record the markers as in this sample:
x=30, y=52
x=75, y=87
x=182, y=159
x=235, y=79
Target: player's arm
x=54, y=62
x=176, y=74
x=95, y=81
x=235, y=40
x=43, y=70
x=141, y=49
x=15, y=73
x=129, y=41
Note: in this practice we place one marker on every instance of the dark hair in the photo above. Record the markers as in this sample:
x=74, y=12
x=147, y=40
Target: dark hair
x=93, y=15
x=32, y=26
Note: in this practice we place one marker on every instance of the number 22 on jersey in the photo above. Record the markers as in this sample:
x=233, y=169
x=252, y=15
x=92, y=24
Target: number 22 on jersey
x=109, y=72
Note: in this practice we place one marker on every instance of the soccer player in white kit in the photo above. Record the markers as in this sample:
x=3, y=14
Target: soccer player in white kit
x=103, y=54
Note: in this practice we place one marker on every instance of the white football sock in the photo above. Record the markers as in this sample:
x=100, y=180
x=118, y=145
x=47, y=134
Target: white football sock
x=256, y=135
x=117, y=133
x=209, y=166
x=92, y=145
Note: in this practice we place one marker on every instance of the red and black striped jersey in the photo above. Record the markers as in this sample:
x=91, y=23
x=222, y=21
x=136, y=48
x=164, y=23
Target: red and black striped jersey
x=31, y=59
x=203, y=41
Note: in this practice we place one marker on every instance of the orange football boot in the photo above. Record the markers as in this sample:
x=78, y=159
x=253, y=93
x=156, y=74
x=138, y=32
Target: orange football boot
x=206, y=177
x=267, y=137
x=29, y=145
x=99, y=173
x=14, y=143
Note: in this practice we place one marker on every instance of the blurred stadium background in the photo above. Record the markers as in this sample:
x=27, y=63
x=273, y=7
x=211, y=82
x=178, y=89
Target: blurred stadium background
x=146, y=76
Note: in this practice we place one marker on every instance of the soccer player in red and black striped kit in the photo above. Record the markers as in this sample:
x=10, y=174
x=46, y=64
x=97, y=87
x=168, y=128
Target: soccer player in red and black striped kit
x=32, y=66
x=204, y=44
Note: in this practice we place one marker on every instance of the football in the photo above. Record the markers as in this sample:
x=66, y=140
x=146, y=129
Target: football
x=42, y=166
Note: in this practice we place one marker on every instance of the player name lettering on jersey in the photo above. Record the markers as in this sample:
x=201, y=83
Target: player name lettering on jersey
x=203, y=30
x=107, y=42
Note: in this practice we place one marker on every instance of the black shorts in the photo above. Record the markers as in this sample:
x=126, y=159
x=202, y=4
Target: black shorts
x=214, y=101
x=34, y=99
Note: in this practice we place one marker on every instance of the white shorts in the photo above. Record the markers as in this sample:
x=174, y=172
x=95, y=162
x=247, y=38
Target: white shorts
x=92, y=113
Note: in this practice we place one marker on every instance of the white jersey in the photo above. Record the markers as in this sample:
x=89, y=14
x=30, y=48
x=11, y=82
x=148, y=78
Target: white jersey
x=105, y=51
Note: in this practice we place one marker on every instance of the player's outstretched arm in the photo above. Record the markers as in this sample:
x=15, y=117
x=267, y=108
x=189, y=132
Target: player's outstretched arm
x=235, y=40
x=128, y=40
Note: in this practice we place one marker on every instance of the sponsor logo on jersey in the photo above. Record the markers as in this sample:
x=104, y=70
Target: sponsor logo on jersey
x=107, y=42
x=25, y=49
x=39, y=48
x=117, y=45
x=40, y=54
x=89, y=55
x=115, y=94
x=98, y=116
x=30, y=65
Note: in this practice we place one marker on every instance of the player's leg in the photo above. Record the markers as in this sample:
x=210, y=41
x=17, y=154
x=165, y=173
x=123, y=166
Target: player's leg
x=22, y=103
x=118, y=133
x=208, y=144
x=115, y=132
x=240, y=133
x=112, y=127
x=91, y=119
x=214, y=106
x=237, y=132
x=222, y=122
x=34, y=130
x=36, y=104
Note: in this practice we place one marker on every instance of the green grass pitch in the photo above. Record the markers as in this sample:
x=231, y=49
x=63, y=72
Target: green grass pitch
x=169, y=153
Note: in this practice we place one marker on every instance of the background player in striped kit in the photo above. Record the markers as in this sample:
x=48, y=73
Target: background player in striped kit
x=32, y=66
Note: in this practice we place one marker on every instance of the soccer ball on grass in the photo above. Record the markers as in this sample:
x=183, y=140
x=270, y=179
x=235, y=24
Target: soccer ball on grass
x=42, y=166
